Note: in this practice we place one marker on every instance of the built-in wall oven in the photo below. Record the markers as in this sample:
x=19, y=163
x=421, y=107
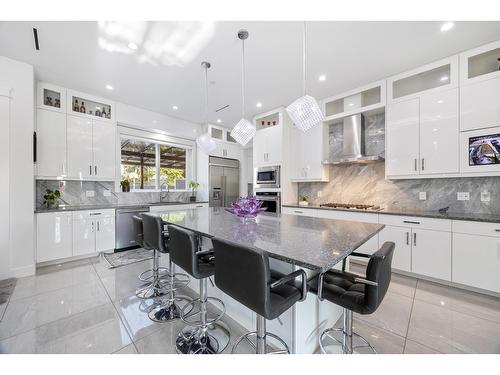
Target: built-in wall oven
x=267, y=177
x=271, y=200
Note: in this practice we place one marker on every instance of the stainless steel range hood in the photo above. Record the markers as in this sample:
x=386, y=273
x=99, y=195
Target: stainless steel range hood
x=353, y=146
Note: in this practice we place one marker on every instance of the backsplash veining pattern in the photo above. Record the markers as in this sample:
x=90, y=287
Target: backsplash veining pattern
x=73, y=193
x=367, y=184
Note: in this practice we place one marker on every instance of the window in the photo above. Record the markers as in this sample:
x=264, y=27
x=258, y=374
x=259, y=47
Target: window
x=143, y=160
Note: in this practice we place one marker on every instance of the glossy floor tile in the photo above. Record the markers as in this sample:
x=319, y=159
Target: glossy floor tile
x=412, y=347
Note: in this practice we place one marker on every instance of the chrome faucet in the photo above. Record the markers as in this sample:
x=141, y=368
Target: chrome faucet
x=162, y=197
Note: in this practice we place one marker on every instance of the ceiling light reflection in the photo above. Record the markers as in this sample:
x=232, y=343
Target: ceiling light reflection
x=155, y=42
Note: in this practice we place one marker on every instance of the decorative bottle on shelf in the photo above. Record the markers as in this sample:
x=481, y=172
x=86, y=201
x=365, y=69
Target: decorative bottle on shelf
x=109, y=113
x=103, y=113
x=82, y=108
x=76, y=107
x=98, y=112
x=57, y=103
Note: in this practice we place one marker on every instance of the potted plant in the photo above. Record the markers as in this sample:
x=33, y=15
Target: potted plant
x=193, y=185
x=303, y=201
x=125, y=184
x=51, y=198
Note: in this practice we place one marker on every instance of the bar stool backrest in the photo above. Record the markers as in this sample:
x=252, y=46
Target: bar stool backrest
x=153, y=232
x=138, y=231
x=379, y=271
x=183, y=246
x=244, y=274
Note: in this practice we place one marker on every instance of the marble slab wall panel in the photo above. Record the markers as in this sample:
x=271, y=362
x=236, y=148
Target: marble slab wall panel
x=367, y=184
x=74, y=193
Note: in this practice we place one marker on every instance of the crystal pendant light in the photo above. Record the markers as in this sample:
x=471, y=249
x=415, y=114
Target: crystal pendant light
x=244, y=130
x=305, y=111
x=205, y=141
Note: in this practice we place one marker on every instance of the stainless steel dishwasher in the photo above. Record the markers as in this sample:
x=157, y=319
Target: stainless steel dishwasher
x=124, y=230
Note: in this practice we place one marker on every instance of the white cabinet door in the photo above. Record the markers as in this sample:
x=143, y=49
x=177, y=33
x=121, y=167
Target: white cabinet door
x=431, y=253
x=402, y=138
x=219, y=150
x=401, y=259
x=259, y=148
x=51, y=143
x=296, y=146
x=54, y=236
x=307, y=152
x=274, y=142
x=476, y=261
x=79, y=146
x=83, y=236
x=105, y=233
x=439, y=130
x=480, y=105
x=103, y=144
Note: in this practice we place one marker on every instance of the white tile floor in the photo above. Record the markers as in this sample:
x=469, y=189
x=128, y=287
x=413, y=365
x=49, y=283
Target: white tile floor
x=85, y=307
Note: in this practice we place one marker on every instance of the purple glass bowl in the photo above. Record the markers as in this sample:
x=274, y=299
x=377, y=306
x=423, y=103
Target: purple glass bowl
x=246, y=207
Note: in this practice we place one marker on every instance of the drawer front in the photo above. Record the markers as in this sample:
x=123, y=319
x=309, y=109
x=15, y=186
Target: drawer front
x=299, y=211
x=87, y=214
x=170, y=207
x=352, y=216
x=198, y=205
x=477, y=228
x=416, y=222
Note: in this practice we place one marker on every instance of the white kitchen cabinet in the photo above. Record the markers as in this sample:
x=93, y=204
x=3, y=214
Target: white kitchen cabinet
x=51, y=97
x=308, y=151
x=50, y=143
x=93, y=231
x=431, y=253
x=439, y=129
x=105, y=233
x=480, y=64
x=480, y=105
x=103, y=147
x=83, y=236
x=267, y=146
x=227, y=150
x=91, y=148
x=402, y=138
x=79, y=146
x=476, y=261
x=300, y=211
x=54, y=236
x=401, y=260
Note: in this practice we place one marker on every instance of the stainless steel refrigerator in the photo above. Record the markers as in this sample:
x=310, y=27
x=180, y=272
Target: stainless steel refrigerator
x=224, y=175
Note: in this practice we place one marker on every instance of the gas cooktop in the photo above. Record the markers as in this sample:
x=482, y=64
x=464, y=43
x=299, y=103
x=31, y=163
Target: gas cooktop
x=353, y=206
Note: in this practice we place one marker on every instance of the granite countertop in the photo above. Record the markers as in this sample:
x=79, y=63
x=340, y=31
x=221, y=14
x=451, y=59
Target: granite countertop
x=309, y=242
x=110, y=206
x=490, y=218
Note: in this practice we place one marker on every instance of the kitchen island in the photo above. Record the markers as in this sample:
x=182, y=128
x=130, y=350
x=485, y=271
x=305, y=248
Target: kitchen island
x=314, y=244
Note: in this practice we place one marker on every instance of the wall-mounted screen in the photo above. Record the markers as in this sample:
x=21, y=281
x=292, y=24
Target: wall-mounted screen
x=484, y=150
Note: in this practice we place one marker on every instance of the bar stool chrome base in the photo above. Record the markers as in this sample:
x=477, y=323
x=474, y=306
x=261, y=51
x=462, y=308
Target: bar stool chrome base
x=261, y=345
x=148, y=275
x=196, y=340
x=150, y=291
x=167, y=311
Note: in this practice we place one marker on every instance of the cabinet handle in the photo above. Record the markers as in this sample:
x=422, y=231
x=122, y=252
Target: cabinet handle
x=299, y=212
x=411, y=222
x=497, y=230
x=423, y=165
x=415, y=164
x=98, y=226
x=95, y=213
x=414, y=239
x=199, y=206
x=34, y=147
x=90, y=168
x=95, y=169
x=407, y=238
x=92, y=227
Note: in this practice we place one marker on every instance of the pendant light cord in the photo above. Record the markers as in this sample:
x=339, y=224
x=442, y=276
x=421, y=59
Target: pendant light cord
x=206, y=94
x=243, y=78
x=304, y=58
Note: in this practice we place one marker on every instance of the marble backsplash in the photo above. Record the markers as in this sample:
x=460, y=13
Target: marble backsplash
x=367, y=184
x=73, y=193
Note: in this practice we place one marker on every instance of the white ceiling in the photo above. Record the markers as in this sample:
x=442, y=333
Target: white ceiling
x=165, y=69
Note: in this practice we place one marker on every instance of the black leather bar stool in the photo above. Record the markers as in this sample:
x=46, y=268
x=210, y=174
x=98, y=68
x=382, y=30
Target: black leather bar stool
x=205, y=334
x=362, y=295
x=153, y=275
x=156, y=238
x=244, y=274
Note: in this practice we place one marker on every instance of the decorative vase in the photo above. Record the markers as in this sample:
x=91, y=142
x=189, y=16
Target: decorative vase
x=192, y=198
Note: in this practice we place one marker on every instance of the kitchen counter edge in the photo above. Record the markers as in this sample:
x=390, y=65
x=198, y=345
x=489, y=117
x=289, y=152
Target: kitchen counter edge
x=111, y=206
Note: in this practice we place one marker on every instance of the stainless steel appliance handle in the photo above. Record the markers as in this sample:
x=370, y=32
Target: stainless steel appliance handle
x=130, y=211
x=414, y=239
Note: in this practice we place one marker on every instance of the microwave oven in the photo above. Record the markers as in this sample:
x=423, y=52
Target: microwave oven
x=480, y=150
x=267, y=177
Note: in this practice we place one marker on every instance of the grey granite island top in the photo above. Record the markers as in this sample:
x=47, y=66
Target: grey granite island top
x=64, y=208
x=466, y=216
x=308, y=242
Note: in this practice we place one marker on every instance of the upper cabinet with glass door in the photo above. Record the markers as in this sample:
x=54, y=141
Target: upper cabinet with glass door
x=85, y=105
x=434, y=77
x=362, y=99
x=480, y=63
x=51, y=97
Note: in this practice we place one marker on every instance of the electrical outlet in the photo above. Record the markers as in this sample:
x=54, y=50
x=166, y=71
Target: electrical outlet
x=463, y=196
x=485, y=196
x=320, y=193
x=422, y=195
x=89, y=193
x=106, y=193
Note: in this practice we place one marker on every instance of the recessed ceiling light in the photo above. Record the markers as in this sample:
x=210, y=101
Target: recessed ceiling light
x=132, y=46
x=175, y=108
x=109, y=87
x=444, y=78
x=322, y=78
x=219, y=121
x=259, y=105
x=447, y=26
